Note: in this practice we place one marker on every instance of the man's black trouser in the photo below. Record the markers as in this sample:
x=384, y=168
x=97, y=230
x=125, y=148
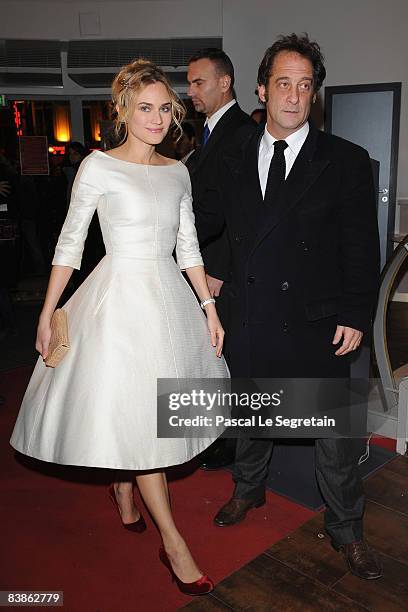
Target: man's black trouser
x=337, y=475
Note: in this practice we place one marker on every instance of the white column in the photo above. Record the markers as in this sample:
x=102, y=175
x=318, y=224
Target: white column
x=77, y=122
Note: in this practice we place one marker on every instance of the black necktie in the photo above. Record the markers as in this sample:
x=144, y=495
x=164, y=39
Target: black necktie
x=276, y=174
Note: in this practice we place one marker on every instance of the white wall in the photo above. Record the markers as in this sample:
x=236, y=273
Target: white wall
x=364, y=41
x=59, y=19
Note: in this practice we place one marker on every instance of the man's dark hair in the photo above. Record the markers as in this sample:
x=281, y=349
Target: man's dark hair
x=77, y=147
x=220, y=58
x=299, y=44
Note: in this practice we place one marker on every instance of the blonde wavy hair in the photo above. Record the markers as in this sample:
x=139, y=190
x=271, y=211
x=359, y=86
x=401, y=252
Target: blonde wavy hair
x=129, y=81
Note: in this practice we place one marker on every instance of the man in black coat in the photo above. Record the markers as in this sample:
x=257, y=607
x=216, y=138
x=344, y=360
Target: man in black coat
x=211, y=88
x=299, y=209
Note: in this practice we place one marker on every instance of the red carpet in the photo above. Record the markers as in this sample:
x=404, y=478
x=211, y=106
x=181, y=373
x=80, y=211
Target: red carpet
x=60, y=531
x=387, y=443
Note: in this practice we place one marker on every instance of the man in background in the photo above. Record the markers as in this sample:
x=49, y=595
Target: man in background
x=185, y=146
x=259, y=115
x=94, y=248
x=76, y=152
x=211, y=89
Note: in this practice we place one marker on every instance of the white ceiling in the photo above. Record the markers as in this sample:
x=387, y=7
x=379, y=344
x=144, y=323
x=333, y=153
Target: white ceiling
x=85, y=1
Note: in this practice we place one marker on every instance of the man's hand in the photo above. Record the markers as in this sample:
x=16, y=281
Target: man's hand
x=5, y=188
x=351, y=339
x=214, y=285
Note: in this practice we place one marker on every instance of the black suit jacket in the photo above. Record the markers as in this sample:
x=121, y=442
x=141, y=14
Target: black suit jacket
x=202, y=167
x=302, y=265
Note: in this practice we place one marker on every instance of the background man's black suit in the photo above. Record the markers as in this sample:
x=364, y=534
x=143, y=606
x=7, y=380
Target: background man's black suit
x=202, y=165
x=300, y=266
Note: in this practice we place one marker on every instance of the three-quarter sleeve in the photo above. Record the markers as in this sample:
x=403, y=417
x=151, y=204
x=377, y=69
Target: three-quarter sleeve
x=86, y=192
x=187, y=249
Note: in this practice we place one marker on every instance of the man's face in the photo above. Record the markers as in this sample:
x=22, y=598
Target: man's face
x=289, y=94
x=207, y=89
x=74, y=157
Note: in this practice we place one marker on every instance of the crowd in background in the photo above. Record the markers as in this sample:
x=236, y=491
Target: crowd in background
x=33, y=209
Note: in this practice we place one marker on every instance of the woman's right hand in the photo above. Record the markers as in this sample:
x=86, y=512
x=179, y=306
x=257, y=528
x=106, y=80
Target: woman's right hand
x=43, y=337
x=216, y=331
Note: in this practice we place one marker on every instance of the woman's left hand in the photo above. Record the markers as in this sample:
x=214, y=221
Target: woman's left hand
x=216, y=332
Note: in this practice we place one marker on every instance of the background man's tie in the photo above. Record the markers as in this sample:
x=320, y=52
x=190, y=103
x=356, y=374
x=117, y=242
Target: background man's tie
x=206, y=134
x=276, y=174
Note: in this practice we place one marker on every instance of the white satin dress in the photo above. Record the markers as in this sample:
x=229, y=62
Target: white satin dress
x=133, y=320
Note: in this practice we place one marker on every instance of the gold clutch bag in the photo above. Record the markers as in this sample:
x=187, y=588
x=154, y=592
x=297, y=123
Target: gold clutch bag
x=59, y=343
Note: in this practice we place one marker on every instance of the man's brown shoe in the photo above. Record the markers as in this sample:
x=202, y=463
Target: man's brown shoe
x=235, y=511
x=361, y=560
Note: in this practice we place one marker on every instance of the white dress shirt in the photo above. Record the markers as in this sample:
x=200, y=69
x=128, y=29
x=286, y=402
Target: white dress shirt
x=266, y=150
x=214, y=119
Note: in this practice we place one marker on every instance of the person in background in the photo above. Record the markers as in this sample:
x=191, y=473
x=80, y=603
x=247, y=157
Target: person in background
x=211, y=89
x=75, y=153
x=94, y=248
x=5, y=188
x=8, y=253
x=51, y=191
x=28, y=208
x=7, y=177
x=259, y=115
x=184, y=146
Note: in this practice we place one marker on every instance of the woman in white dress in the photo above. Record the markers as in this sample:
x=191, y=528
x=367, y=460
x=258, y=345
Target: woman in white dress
x=133, y=320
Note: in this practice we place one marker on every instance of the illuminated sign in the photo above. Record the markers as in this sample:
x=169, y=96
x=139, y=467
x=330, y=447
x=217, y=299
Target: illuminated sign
x=56, y=150
x=17, y=118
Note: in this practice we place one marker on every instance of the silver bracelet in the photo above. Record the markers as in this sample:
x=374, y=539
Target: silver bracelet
x=209, y=301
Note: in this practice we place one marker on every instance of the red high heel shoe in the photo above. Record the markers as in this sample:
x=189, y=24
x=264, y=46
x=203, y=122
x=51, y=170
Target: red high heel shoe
x=138, y=526
x=202, y=586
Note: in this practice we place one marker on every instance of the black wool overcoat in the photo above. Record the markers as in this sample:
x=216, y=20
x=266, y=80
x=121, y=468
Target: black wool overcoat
x=301, y=264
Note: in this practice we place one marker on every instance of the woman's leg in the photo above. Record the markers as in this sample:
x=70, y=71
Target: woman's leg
x=124, y=497
x=154, y=490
